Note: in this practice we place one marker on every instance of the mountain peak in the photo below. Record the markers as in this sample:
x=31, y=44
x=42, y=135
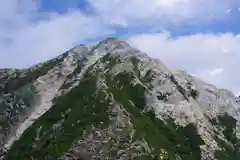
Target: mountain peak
x=113, y=101
x=113, y=43
x=112, y=40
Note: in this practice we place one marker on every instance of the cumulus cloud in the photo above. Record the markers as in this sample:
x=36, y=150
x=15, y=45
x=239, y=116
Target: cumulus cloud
x=129, y=13
x=203, y=55
x=28, y=36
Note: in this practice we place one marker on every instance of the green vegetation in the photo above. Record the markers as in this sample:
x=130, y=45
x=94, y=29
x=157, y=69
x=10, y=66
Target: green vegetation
x=176, y=140
x=14, y=105
x=83, y=102
x=228, y=152
x=229, y=124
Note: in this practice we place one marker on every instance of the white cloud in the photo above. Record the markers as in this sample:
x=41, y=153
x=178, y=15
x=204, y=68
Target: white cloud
x=215, y=71
x=161, y=11
x=200, y=54
x=28, y=36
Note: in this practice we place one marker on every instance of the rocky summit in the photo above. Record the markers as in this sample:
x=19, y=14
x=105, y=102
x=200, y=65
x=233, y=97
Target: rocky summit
x=113, y=102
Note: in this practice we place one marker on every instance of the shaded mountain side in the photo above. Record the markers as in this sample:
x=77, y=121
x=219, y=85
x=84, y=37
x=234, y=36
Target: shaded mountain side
x=112, y=101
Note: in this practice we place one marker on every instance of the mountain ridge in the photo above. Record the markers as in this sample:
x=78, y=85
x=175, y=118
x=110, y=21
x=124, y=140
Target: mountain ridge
x=161, y=114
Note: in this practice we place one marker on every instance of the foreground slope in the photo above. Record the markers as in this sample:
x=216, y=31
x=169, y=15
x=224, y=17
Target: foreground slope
x=111, y=101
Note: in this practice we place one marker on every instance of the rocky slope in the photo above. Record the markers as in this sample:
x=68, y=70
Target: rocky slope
x=112, y=101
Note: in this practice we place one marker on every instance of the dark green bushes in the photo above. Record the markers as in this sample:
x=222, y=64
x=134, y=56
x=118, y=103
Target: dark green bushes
x=181, y=141
x=79, y=104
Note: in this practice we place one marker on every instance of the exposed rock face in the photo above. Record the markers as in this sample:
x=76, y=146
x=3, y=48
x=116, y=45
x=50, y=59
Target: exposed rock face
x=111, y=101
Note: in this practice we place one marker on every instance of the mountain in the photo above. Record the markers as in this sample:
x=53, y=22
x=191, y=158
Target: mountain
x=111, y=101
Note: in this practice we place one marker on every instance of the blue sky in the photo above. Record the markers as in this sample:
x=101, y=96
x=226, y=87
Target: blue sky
x=199, y=36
